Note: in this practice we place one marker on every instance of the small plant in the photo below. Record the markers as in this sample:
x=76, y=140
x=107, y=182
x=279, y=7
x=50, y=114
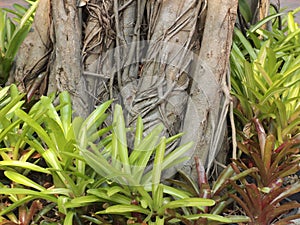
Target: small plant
x=12, y=35
x=265, y=79
x=219, y=192
x=76, y=171
x=14, y=157
x=42, y=168
x=133, y=187
x=262, y=192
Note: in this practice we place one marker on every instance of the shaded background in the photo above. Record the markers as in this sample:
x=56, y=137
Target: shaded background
x=289, y=5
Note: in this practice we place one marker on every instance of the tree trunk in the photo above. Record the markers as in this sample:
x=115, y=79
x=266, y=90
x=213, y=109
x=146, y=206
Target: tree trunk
x=164, y=60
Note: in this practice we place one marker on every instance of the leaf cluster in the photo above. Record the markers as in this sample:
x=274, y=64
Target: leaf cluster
x=265, y=78
x=56, y=168
x=262, y=170
x=265, y=83
x=43, y=170
x=12, y=33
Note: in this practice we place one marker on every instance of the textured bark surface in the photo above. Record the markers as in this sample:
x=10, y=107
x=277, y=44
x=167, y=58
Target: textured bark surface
x=65, y=72
x=166, y=61
x=210, y=92
x=49, y=60
x=34, y=53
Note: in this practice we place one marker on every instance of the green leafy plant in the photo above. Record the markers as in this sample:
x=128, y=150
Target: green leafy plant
x=12, y=152
x=12, y=34
x=265, y=78
x=219, y=192
x=42, y=162
x=10, y=100
x=265, y=81
x=83, y=172
x=134, y=188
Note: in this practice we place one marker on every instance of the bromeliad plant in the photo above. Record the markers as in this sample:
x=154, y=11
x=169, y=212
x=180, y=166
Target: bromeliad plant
x=262, y=192
x=13, y=154
x=134, y=190
x=74, y=171
x=133, y=187
x=12, y=34
x=42, y=167
x=256, y=182
x=219, y=192
x=265, y=79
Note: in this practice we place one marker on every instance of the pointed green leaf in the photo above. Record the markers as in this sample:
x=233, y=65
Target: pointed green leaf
x=69, y=218
x=25, y=191
x=24, y=165
x=82, y=201
x=120, y=209
x=138, y=132
x=20, y=179
x=157, y=165
x=119, y=131
x=246, y=43
x=176, y=155
x=38, y=129
x=116, y=198
x=188, y=202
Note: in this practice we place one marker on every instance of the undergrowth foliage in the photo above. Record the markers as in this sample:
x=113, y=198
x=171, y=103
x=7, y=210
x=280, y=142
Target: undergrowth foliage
x=265, y=79
x=265, y=82
x=262, y=192
x=59, y=169
x=74, y=171
x=12, y=33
